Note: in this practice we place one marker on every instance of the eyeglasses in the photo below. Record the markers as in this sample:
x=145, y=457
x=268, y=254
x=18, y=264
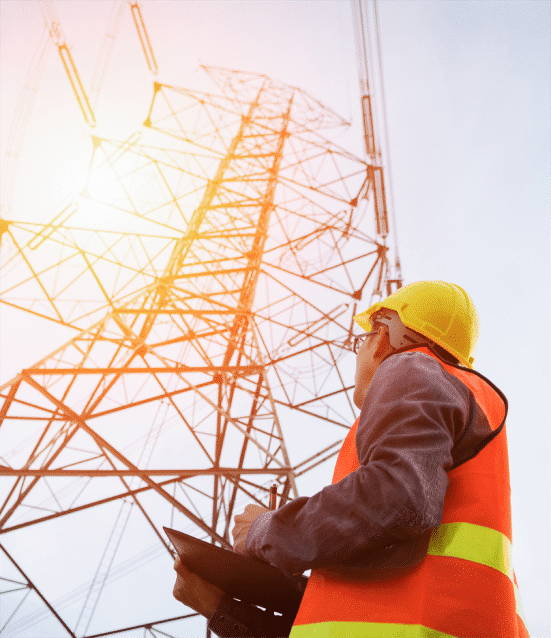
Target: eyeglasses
x=359, y=339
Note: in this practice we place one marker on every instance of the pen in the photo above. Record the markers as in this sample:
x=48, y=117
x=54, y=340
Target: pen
x=273, y=496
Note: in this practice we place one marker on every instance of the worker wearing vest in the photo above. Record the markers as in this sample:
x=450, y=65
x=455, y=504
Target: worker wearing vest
x=413, y=537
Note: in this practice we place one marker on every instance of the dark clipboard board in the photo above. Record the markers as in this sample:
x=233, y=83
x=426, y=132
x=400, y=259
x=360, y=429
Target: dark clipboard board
x=248, y=579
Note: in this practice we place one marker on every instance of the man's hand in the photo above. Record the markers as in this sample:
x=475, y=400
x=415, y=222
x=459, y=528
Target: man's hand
x=195, y=592
x=242, y=526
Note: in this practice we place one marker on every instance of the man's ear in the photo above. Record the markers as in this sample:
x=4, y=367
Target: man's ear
x=382, y=343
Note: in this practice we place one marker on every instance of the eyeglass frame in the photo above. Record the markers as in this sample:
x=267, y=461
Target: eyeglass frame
x=359, y=339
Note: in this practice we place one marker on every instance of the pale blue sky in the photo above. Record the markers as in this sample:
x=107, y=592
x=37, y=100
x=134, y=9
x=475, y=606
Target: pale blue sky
x=467, y=93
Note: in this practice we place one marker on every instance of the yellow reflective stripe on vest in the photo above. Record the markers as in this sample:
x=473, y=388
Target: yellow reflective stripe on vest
x=478, y=544
x=364, y=630
x=473, y=542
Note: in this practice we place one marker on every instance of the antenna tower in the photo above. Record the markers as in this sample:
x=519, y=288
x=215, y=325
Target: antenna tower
x=209, y=271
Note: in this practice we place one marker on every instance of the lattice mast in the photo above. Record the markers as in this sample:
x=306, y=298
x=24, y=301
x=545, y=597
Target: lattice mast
x=234, y=247
x=373, y=103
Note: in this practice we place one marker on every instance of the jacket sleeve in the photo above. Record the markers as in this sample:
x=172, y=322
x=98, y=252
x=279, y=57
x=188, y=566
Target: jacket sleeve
x=411, y=416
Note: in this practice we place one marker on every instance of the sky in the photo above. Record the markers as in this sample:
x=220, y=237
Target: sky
x=467, y=102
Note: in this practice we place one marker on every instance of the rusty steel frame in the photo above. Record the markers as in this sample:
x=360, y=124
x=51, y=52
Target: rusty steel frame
x=212, y=310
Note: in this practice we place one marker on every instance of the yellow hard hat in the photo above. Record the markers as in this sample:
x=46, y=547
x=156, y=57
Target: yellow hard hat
x=442, y=312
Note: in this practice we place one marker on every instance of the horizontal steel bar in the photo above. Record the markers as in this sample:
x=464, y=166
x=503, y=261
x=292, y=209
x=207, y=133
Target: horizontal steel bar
x=251, y=369
x=148, y=625
x=34, y=418
x=9, y=471
x=168, y=311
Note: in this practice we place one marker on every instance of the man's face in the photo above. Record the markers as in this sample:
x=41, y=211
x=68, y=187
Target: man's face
x=367, y=363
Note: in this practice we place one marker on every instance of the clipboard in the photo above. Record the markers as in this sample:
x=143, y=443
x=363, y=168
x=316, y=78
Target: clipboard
x=242, y=577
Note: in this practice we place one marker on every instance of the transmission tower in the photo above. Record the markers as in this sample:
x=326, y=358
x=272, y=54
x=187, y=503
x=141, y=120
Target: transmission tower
x=209, y=270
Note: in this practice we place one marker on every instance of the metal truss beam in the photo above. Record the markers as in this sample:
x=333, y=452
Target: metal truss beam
x=212, y=305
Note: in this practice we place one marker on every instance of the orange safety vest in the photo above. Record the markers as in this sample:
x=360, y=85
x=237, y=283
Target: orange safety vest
x=464, y=587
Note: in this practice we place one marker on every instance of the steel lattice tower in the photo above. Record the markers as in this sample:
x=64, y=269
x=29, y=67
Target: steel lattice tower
x=210, y=271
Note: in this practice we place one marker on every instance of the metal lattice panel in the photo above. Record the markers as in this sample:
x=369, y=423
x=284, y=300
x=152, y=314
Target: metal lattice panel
x=210, y=269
